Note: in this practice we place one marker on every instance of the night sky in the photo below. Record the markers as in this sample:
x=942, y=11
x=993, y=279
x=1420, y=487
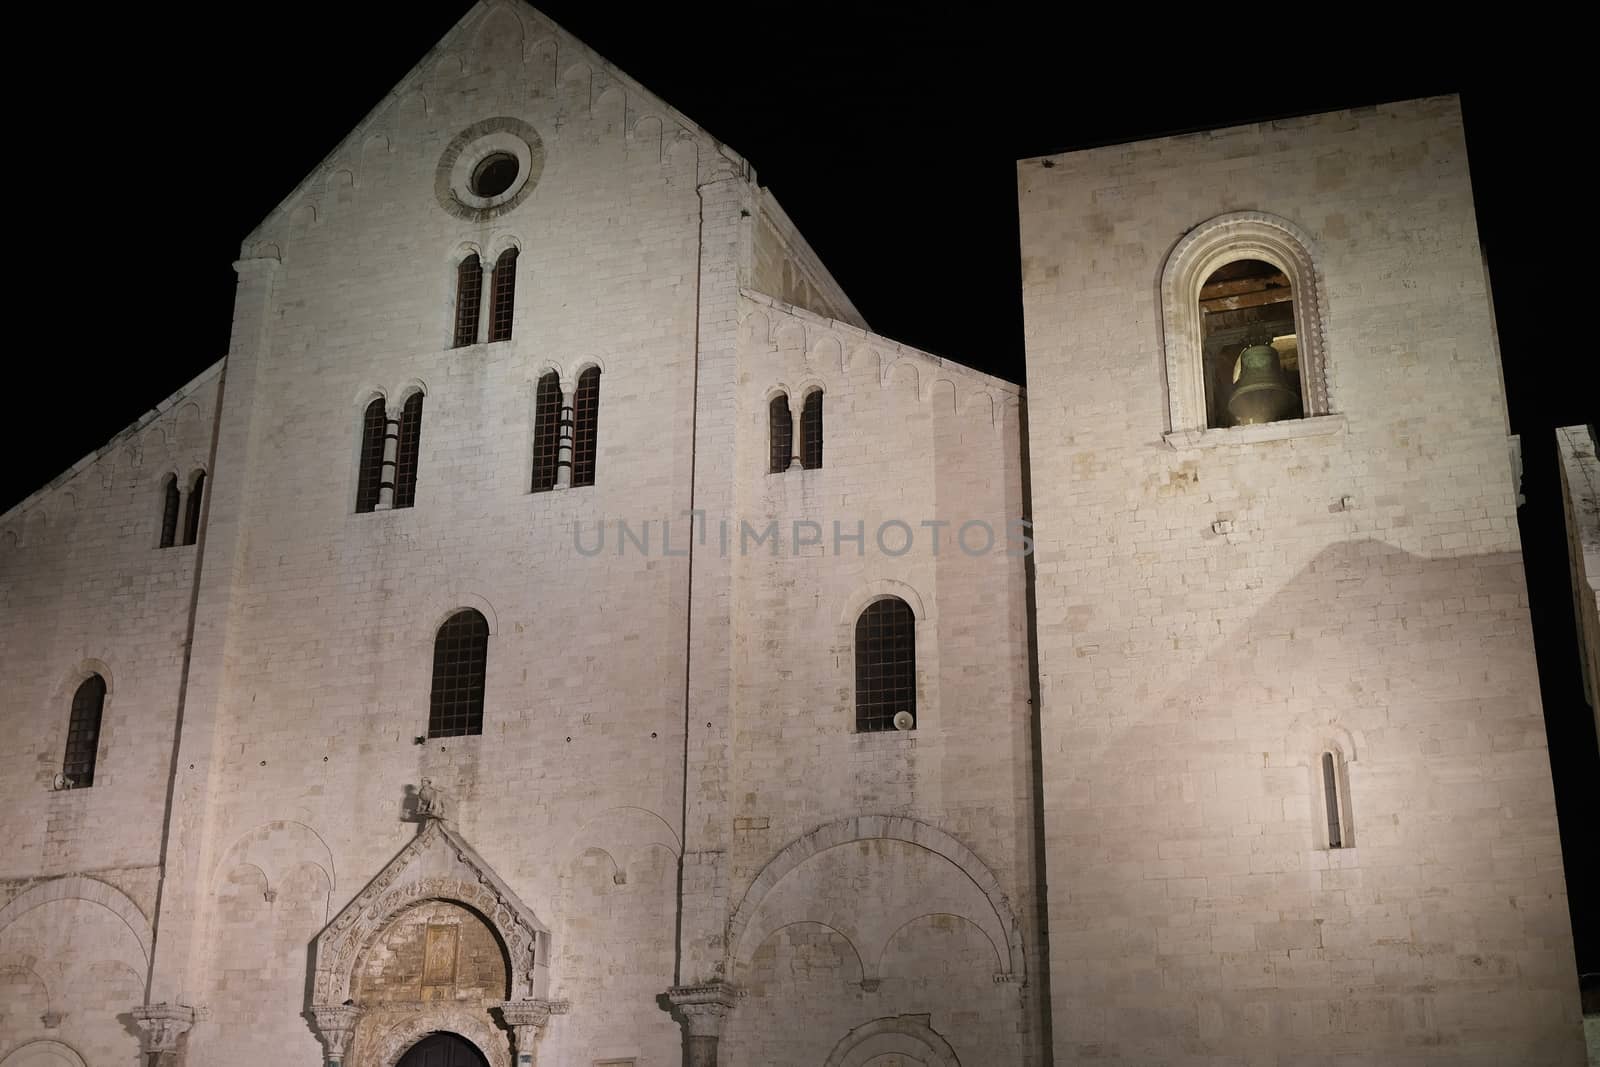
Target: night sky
x=889, y=132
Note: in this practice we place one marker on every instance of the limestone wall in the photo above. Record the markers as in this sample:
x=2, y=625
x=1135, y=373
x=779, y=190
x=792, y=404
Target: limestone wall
x=1214, y=616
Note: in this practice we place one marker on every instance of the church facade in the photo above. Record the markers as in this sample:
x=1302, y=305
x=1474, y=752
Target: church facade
x=561, y=631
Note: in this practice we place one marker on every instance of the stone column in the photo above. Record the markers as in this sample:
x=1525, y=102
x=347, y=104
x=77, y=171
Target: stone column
x=527, y=1019
x=795, y=434
x=391, y=462
x=336, y=1025
x=564, y=437
x=702, y=1009
x=161, y=1026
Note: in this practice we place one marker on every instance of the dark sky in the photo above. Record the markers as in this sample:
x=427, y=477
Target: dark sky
x=889, y=133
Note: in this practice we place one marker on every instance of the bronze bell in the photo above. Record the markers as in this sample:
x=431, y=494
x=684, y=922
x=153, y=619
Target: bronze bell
x=1263, y=392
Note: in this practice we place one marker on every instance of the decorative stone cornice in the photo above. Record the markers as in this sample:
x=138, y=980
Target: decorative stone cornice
x=162, y=1025
x=703, y=1007
x=336, y=1025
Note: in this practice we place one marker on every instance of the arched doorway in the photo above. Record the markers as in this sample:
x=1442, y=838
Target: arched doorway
x=443, y=1050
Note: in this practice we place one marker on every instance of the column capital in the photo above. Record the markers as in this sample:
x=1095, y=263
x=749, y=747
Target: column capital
x=527, y=1018
x=336, y=1025
x=703, y=1007
x=162, y=1025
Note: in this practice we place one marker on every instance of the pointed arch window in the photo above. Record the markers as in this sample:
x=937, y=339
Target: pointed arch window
x=780, y=423
x=369, y=476
x=83, y=732
x=505, y=294
x=811, y=431
x=585, y=419
x=469, y=295
x=460, y=661
x=546, y=432
x=191, y=517
x=169, y=512
x=408, y=449
x=886, y=664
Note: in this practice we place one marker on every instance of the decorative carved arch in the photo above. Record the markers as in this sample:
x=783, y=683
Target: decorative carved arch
x=909, y=1035
x=1226, y=239
x=894, y=828
x=436, y=865
x=78, y=887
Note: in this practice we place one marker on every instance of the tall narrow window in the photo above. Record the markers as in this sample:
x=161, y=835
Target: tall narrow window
x=505, y=294
x=781, y=423
x=585, y=413
x=886, y=665
x=811, y=431
x=191, y=517
x=409, y=446
x=369, y=476
x=469, y=294
x=546, y=432
x=83, y=732
x=460, y=656
x=1330, y=795
x=169, y=512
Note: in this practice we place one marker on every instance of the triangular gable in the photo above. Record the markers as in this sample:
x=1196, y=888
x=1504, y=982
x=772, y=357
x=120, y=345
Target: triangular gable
x=540, y=40
x=436, y=865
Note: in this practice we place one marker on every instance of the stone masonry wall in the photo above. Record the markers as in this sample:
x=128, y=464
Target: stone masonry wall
x=1193, y=673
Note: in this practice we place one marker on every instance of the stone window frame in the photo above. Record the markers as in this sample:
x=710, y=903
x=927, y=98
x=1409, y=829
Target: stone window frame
x=1214, y=243
x=778, y=401
x=1341, y=782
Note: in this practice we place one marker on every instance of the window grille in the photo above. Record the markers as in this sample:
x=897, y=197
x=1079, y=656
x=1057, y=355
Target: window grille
x=83, y=731
x=369, y=476
x=782, y=426
x=505, y=291
x=811, y=431
x=585, y=413
x=469, y=294
x=409, y=445
x=886, y=664
x=460, y=656
x=546, y=432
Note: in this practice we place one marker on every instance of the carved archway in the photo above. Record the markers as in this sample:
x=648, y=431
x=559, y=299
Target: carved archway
x=478, y=1032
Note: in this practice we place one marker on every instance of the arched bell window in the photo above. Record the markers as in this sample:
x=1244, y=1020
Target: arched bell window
x=811, y=431
x=546, y=432
x=505, y=294
x=585, y=426
x=169, y=511
x=83, y=732
x=408, y=450
x=1251, y=350
x=469, y=298
x=191, y=517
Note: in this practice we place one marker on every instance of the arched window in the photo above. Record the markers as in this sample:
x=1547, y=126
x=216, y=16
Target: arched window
x=369, y=476
x=1242, y=323
x=169, y=512
x=83, y=732
x=505, y=294
x=585, y=415
x=1336, y=799
x=886, y=664
x=460, y=656
x=469, y=295
x=780, y=422
x=191, y=517
x=546, y=432
x=811, y=431
x=409, y=447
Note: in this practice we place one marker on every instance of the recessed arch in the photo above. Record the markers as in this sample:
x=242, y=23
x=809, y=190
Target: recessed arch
x=1212, y=244
x=92, y=890
x=44, y=1052
x=892, y=828
x=908, y=1035
x=878, y=589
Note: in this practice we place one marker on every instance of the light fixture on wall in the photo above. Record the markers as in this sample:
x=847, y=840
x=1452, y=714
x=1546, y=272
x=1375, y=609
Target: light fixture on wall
x=903, y=720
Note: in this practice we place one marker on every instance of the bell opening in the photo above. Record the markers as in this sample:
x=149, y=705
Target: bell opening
x=1245, y=307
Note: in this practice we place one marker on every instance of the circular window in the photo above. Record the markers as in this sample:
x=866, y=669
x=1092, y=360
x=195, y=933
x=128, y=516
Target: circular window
x=495, y=174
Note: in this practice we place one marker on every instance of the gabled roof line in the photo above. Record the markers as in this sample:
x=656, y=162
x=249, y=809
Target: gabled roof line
x=473, y=16
x=121, y=435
